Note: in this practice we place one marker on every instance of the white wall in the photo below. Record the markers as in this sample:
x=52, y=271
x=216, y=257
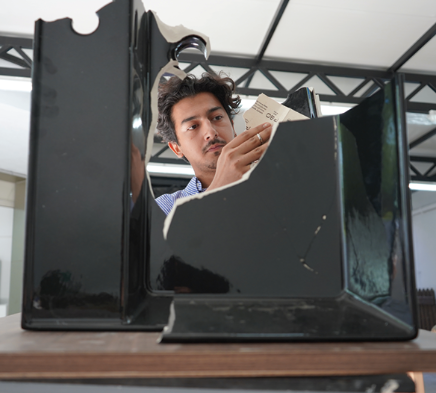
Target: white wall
x=14, y=131
x=424, y=238
x=17, y=258
x=12, y=206
x=6, y=225
x=7, y=194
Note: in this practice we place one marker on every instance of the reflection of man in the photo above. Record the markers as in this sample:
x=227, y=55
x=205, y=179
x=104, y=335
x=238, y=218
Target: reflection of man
x=195, y=119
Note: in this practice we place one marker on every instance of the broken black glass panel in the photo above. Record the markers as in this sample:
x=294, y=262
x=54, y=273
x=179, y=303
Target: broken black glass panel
x=315, y=244
x=321, y=243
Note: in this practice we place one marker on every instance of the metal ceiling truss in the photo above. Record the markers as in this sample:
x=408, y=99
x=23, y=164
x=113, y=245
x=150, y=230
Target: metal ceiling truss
x=430, y=173
x=156, y=158
x=372, y=79
x=271, y=30
x=11, y=51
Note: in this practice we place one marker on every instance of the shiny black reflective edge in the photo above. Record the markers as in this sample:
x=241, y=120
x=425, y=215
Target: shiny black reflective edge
x=405, y=194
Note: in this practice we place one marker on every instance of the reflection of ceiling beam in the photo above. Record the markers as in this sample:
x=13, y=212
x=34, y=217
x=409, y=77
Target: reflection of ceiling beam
x=426, y=37
x=156, y=158
x=422, y=139
x=271, y=30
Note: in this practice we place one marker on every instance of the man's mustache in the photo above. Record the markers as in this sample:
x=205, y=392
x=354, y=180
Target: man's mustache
x=213, y=142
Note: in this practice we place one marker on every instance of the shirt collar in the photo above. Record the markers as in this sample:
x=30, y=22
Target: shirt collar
x=199, y=185
x=194, y=187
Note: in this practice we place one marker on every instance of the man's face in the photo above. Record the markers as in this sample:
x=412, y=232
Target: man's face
x=203, y=128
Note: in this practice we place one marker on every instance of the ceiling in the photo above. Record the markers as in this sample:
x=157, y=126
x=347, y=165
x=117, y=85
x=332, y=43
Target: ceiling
x=358, y=33
x=361, y=33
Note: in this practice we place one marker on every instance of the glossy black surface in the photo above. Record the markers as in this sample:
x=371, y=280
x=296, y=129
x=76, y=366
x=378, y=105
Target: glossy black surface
x=302, y=101
x=86, y=245
x=320, y=248
x=278, y=233
x=315, y=245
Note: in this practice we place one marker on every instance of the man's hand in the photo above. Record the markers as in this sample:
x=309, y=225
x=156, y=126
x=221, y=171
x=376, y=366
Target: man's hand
x=236, y=157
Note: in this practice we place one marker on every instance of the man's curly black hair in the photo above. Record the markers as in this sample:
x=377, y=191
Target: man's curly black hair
x=176, y=89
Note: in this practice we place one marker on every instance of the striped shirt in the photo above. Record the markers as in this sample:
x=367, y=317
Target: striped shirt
x=167, y=201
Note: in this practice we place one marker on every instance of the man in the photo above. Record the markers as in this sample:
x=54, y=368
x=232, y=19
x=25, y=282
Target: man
x=195, y=119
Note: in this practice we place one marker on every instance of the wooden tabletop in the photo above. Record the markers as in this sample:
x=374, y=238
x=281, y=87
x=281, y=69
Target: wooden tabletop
x=30, y=354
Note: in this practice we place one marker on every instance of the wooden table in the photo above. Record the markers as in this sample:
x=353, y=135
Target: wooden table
x=53, y=355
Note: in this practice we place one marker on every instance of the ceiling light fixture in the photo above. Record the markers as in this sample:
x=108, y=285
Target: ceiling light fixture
x=168, y=169
x=417, y=186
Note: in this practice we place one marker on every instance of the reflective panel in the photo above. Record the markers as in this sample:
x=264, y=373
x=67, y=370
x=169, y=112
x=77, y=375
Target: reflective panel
x=314, y=245
x=317, y=240
x=93, y=106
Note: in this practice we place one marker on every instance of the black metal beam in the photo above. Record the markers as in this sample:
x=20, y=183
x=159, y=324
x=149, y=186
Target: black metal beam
x=286, y=66
x=416, y=91
x=9, y=43
x=423, y=179
x=422, y=139
x=430, y=160
x=265, y=66
x=419, y=107
x=271, y=30
x=165, y=148
x=377, y=77
x=14, y=59
x=430, y=170
x=275, y=22
x=426, y=37
x=25, y=73
x=415, y=171
x=330, y=84
x=272, y=79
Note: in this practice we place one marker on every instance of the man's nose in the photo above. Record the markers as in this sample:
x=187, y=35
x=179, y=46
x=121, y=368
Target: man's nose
x=210, y=131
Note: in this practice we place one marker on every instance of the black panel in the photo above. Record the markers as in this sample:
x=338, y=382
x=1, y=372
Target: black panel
x=86, y=241
x=328, y=200
x=315, y=245
x=285, y=223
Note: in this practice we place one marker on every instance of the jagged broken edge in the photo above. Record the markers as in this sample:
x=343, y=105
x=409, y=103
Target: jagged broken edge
x=244, y=177
x=172, y=34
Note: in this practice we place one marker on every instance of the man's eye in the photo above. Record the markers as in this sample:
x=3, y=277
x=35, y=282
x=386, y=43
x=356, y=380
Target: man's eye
x=219, y=117
x=193, y=127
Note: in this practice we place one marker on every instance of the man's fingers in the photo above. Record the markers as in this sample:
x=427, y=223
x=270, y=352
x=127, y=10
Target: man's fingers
x=252, y=155
x=246, y=135
x=263, y=129
x=255, y=140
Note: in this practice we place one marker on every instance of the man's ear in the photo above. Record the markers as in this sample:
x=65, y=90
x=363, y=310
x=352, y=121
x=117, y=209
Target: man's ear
x=176, y=149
